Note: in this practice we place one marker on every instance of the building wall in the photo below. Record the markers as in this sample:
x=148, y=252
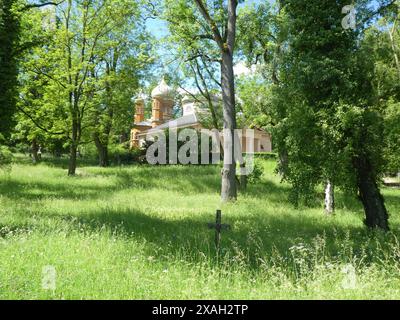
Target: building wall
x=262, y=140
x=265, y=142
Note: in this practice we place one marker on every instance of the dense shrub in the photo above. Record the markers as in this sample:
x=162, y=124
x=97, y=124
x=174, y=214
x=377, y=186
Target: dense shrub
x=120, y=154
x=266, y=156
x=5, y=156
x=257, y=173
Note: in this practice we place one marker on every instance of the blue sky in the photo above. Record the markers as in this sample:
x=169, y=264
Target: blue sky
x=159, y=28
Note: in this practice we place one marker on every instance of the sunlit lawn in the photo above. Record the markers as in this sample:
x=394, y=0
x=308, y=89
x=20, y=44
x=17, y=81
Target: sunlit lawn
x=140, y=232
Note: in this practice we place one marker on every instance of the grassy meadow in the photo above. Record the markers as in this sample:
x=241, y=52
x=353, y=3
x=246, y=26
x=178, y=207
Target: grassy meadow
x=140, y=232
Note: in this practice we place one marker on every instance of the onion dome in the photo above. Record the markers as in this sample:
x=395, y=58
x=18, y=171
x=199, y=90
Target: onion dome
x=163, y=91
x=187, y=98
x=141, y=97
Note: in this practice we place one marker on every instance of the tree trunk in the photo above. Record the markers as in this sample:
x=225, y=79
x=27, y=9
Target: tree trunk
x=35, y=149
x=226, y=44
x=73, y=148
x=57, y=153
x=72, y=159
x=243, y=177
x=283, y=162
x=9, y=35
x=394, y=48
x=122, y=139
x=105, y=157
x=102, y=150
x=229, y=189
x=370, y=196
x=329, y=198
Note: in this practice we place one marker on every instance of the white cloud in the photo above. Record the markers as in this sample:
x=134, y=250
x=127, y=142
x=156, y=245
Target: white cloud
x=186, y=91
x=240, y=69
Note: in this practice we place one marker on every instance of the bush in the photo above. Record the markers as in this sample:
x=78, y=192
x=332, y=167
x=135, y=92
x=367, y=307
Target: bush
x=5, y=158
x=120, y=154
x=138, y=155
x=257, y=173
x=266, y=155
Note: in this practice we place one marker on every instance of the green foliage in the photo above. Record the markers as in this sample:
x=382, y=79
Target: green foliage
x=266, y=156
x=392, y=137
x=77, y=84
x=262, y=32
x=138, y=155
x=382, y=44
x=194, y=47
x=9, y=39
x=256, y=175
x=324, y=106
x=120, y=154
x=255, y=103
x=5, y=156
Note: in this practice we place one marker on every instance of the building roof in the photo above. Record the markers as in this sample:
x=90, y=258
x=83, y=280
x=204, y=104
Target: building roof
x=184, y=121
x=141, y=98
x=189, y=97
x=181, y=122
x=163, y=91
x=143, y=124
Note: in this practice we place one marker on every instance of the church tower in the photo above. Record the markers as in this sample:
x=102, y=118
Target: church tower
x=140, y=124
x=162, y=111
x=139, y=110
x=163, y=104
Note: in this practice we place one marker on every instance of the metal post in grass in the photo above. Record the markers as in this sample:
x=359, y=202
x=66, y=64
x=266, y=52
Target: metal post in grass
x=218, y=226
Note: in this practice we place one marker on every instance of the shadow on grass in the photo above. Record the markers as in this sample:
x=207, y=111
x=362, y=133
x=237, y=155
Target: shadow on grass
x=194, y=181
x=279, y=192
x=31, y=191
x=54, y=162
x=393, y=200
x=252, y=237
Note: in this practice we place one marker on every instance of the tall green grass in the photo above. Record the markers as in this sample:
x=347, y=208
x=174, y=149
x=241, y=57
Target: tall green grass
x=140, y=232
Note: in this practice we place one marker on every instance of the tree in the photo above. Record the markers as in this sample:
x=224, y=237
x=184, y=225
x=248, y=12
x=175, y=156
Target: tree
x=125, y=60
x=5, y=156
x=11, y=49
x=197, y=59
x=332, y=126
x=203, y=72
x=262, y=41
x=209, y=27
x=392, y=136
x=77, y=52
x=261, y=34
x=382, y=41
x=39, y=122
x=9, y=40
x=226, y=44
